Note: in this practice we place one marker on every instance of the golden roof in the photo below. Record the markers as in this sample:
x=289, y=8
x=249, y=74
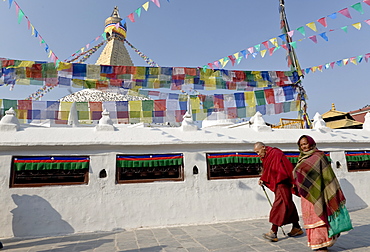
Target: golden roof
x=333, y=113
x=343, y=123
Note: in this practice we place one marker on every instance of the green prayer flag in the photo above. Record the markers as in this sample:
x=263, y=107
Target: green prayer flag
x=302, y=30
x=344, y=28
x=148, y=105
x=138, y=11
x=358, y=7
x=20, y=16
x=260, y=97
x=293, y=44
x=239, y=59
x=7, y=104
x=258, y=47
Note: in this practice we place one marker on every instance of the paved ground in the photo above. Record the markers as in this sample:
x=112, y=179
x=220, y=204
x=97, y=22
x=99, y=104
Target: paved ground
x=224, y=237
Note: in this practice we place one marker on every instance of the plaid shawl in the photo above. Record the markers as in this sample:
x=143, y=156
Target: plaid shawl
x=316, y=182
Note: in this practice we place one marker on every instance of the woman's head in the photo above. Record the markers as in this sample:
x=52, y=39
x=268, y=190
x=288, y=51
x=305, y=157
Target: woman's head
x=306, y=143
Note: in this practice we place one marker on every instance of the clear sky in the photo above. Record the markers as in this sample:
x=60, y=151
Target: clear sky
x=192, y=33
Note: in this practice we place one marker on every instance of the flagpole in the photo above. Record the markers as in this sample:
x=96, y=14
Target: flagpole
x=293, y=63
x=292, y=56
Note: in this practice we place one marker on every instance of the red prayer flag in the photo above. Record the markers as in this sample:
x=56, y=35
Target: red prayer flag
x=232, y=58
x=159, y=105
x=210, y=65
x=367, y=56
x=367, y=21
x=345, y=12
x=313, y=38
x=157, y=3
x=271, y=50
x=25, y=104
x=269, y=95
x=266, y=44
x=322, y=21
x=131, y=17
x=367, y=2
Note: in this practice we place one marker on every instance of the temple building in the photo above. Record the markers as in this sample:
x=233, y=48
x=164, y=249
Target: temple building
x=114, y=54
x=340, y=120
x=359, y=114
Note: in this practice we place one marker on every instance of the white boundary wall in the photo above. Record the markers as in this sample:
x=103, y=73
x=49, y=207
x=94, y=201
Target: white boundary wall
x=103, y=205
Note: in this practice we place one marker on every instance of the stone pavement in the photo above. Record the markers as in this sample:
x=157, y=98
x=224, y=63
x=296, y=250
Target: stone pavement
x=222, y=237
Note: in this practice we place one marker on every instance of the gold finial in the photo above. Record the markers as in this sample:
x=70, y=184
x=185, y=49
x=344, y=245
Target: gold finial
x=115, y=12
x=333, y=107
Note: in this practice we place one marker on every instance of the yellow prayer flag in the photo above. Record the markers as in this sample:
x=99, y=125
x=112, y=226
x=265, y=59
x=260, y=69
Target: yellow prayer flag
x=77, y=83
x=64, y=65
x=50, y=52
x=263, y=53
x=224, y=63
x=354, y=61
x=146, y=6
x=345, y=61
x=33, y=30
x=357, y=26
x=274, y=42
x=313, y=69
x=135, y=105
x=194, y=103
x=210, y=83
x=257, y=75
x=65, y=108
x=236, y=55
x=221, y=61
x=312, y=26
x=26, y=63
x=250, y=98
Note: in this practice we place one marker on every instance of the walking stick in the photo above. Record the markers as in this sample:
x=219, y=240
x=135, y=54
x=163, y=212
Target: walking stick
x=263, y=188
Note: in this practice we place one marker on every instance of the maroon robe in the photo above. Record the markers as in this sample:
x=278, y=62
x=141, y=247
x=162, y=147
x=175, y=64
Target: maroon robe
x=277, y=175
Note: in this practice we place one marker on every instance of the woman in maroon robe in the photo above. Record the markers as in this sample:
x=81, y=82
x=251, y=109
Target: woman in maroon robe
x=277, y=175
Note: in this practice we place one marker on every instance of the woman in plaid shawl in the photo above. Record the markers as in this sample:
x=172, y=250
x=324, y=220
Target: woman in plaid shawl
x=322, y=200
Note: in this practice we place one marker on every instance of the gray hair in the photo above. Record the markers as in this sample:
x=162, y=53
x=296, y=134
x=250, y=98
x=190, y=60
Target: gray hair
x=258, y=144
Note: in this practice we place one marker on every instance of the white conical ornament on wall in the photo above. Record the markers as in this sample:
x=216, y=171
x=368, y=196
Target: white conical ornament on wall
x=366, y=125
x=258, y=123
x=9, y=122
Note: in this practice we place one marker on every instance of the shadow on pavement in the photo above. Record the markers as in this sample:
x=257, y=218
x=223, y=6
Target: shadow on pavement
x=354, y=239
x=73, y=240
x=81, y=246
x=149, y=249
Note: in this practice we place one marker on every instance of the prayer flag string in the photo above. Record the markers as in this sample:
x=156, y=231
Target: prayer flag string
x=34, y=32
x=169, y=108
x=271, y=45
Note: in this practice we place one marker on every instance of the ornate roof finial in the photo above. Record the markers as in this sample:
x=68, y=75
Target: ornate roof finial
x=333, y=107
x=115, y=12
